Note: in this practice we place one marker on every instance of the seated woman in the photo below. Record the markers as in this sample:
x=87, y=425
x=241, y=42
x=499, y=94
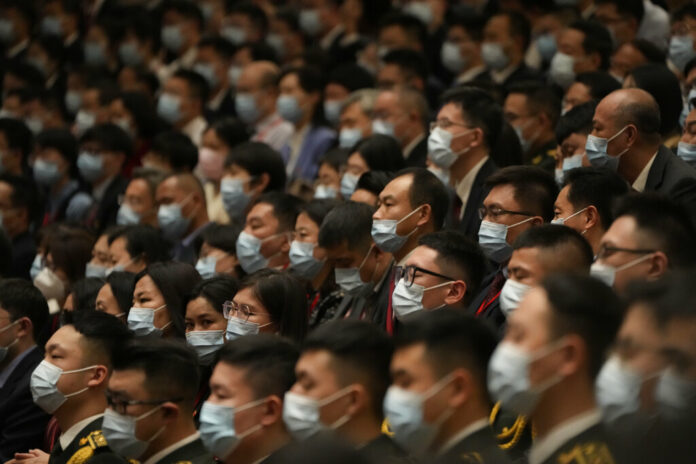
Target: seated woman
x=133, y=248
x=116, y=294
x=82, y=297
x=375, y=153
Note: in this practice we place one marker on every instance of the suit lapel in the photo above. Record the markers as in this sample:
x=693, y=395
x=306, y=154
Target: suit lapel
x=657, y=171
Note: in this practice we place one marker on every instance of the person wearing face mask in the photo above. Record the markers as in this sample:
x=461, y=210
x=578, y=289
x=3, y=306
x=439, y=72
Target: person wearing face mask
x=444, y=271
x=634, y=19
x=218, y=254
x=369, y=186
x=437, y=405
x=361, y=269
x=587, y=87
x=342, y=376
x=355, y=117
x=23, y=314
x=137, y=44
x=648, y=238
x=182, y=26
x=182, y=215
x=626, y=138
x=461, y=51
x=377, y=152
x=506, y=213
x=539, y=252
x=101, y=260
x=242, y=419
x=342, y=81
x=268, y=301
x=265, y=240
x=182, y=102
x=585, y=202
x=71, y=384
x=159, y=299
x=459, y=144
x=571, y=133
x=583, y=46
x=213, y=58
x=554, y=346
x=16, y=29
x=138, y=204
x=329, y=175
x=533, y=111
x=116, y=295
x=133, y=248
x=506, y=36
x=151, y=396
x=686, y=149
x=18, y=204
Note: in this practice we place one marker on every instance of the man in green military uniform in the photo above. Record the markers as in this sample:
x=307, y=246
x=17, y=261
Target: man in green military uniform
x=438, y=403
x=71, y=380
x=151, y=397
x=546, y=365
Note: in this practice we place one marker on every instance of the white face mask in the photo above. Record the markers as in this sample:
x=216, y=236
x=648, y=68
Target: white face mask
x=572, y=162
x=675, y=395
x=206, y=266
x=142, y=321
x=493, y=239
x=596, y=150
x=440, y=147
x=206, y=343
x=218, y=430
x=50, y=285
x=119, y=431
x=237, y=328
x=385, y=236
x=408, y=300
x=348, y=183
x=562, y=69
x=349, y=278
x=325, y=191
x=301, y=414
x=302, y=260
x=561, y=221
x=510, y=296
x=607, y=273
x=617, y=389
x=44, y=386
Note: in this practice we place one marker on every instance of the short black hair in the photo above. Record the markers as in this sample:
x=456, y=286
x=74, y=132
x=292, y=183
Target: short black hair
x=170, y=368
x=84, y=293
x=571, y=251
x=649, y=50
x=221, y=46
x=539, y=98
x=479, y=109
x=109, y=137
x=360, y=353
x=374, y=181
x=349, y=222
x=222, y=236
x=412, y=26
x=177, y=149
x=198, y=86
x=632, y=8
x=215, y=290
x=462, y=254
x=535, y=189
x=664, y=223
x=286, y=207
x=256, y=15
x=187, y=9
x=601, y=188
x=284, y=297
x=18, y=137
x=600, y=83
x=667, y=298
x=427, y=189
x=411, y=62
x=60, y=140
x=122, y=284
x=519, y=26
x=268, y=361
x=381, y=153
x=578, y=120
x=142, y=241
x=664, y=86
x=452, y=340
x=584, y=306
x=317, y=209
x=336, y=158
x=351, y=76
x=22, y=299
x=597, y=40
x=472, y=23
x=257, y=158
x=230, y=130
x=103, y=332
x=24, y=194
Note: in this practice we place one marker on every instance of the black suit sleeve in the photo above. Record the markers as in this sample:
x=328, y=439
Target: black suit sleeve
x=23, y=425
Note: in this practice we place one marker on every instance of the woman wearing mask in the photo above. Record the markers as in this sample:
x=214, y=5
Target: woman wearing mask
x=116, y=294
x=134, y=112
x=159, y=299
x=300, y=102
x=375, y=153
x=218, y=253
x=217, y=141
x=133, y=248
x=82, y=298
x=268, y=301
x=101, y=260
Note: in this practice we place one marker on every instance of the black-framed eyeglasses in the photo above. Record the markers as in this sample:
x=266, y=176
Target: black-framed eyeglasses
x=607, y=250
x=494, y=212
x=240, y=311
x=409, y=274
x=120, y=406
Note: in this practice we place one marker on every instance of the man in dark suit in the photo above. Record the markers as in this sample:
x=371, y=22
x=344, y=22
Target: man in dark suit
x=213, y=58
x=155, y=382
x=18, y=207
x=630, y=119
x=23, y=313
x=440, y=358
x=81, y=354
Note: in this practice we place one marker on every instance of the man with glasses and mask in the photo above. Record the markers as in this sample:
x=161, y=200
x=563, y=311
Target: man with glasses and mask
x=438, y=404
x=459, y=145
x=151, y=397
x=520, y=197
x=342, y=376
x=242, y=420
x=70, y=383
x=554, y=346
x=650, y=236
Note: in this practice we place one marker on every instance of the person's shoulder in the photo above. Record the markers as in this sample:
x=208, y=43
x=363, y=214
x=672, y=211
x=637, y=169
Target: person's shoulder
x=481, y=447
x=93, y=447
x=592, y=445
x=384, y=449
x=191, y=453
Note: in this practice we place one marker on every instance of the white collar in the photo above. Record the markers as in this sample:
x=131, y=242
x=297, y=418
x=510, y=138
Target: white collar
x=416, y=140
x=69, y=435
x=171, y=448
x=463, y=187
x=642, y=179
x=12, y=52
x=500, y=76
x=194, y=129
x=463, y=433
x=546, y=446
x=470, y=73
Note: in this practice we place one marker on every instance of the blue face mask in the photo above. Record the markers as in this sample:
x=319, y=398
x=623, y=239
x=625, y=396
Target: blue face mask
x=234, y=198
x=6, y=31
x=46, y=173
x=289, y=108
x=129, y=54
x=51, y=25
x=572, y=162
x=172, y=222
x=596, y=150
x=681, y=50
x=245, y=104
x=332, y=111
x=91, y=166
x=218, y=430
x=36, y=266
x=348, y=183
x=208, y=72
x=126, y=216
x=687, y=152
x=546, y=45
x=493, y=240
x=276, y=42
x=172, y=38
x=385, y=236
x=302, y=259
x=348, y=138
x=168, y=108
x=95, y=270
x=94, y=54
x=380, y=126
x=234, y=34
x=206, y=266
x=310, y=22
x=73, y=100
x=249, y=252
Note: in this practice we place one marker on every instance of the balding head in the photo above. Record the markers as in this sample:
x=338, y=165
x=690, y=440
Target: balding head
x=185, y=190
x=264, y=72
x=258, y=81
x=413, y=101
x=626, y=107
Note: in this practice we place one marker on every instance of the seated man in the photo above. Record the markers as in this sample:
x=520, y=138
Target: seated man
x=650, y=236
x=571, y=133
x=554, y=346
x=138, y=205
x=23, y=312
x=242, y=420
x=444, y=270
x=172, y=152
x=153, y=387
x=355, y=119
x=18, y=204
x=437, y=405
x=182, y=103
x=344, y=371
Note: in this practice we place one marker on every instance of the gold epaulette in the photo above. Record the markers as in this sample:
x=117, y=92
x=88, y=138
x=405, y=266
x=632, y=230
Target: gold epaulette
x=183, y=462
x=509, y=436
x=385, y=428
x=88, y=445
x=471, y=458
x=133, y=461
x=592, y=452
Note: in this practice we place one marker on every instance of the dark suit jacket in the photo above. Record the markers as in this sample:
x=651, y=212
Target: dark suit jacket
x=226, y=108
x=480, y=447
x=193, y=453
x=470, y=221
x=671, y=176
x=522, y=74
x=384, y=450
x=490, y=312
x=419, y=154
x=105, y=213
x=368, y=304
x=22, y=423
x=23, y=253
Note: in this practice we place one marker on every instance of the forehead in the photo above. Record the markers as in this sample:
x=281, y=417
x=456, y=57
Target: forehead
x=452, y=112
x=67, y=339
x=499, y=23
x=562, y=198
x=137, y=187
x=127, y=380
x=502, y=195
x=230, y=376
x=639, y=321
x=622, y=233
x=145, y=284
x=516, y=102
x=167, y=187
x=424, y=257
x=411, y=357
x=398, y=188
x=318, y=361
x=525, y=257
x=263, y=211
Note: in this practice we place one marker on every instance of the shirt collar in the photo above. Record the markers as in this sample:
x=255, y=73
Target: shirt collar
x=12, y=52
x=642, y=179
x=170, y=449
x=500, y=76
x=69, y=435
x=186, y=241
x=463, y=187
x=470, y=73
x=465, y=432
x=546, y=446
x=99, y=190
x=409, y=148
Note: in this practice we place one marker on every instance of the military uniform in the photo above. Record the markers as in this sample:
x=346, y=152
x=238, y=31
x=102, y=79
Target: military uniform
x=544, y=157
x=581, y=440
x=88, y=445
x=384, y=450
x=512, y=432
x=477, y=447
x=193, y=452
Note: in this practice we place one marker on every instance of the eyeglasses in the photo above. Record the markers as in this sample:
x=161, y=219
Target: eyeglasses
x=408, y=273
x=234, y=309
x=444, y=124
x=606, y=250
x=120, y=405
x=494, y=212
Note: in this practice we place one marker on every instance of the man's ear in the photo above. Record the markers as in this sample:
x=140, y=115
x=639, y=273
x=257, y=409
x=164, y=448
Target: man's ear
x=456, y=293
x=272, y=412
